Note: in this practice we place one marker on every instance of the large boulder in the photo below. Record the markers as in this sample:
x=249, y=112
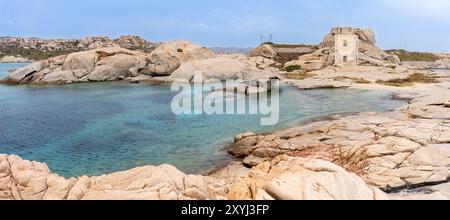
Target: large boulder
x=213, y=68
x=167, y=57
x=104, y=64
x=80, y=61
x=293, y=178
x=264, y=50
x=26, y=72
x=128, y=41
x=222, y=68
x=183, y=51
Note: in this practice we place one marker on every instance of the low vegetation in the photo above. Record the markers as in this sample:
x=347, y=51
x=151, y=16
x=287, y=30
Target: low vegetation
x=269, y=43
x=355, y=80
x=313, y=47
x=299, y=75
x=414, y=56
x=409, y=81
x=32, y=54
x=292, y=68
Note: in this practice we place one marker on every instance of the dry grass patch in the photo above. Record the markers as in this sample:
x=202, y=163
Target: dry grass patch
x=299, y=75
x=355, y=80
x=409, y=81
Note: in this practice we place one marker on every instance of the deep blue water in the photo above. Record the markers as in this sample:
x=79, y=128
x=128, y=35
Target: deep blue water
x=98, y=128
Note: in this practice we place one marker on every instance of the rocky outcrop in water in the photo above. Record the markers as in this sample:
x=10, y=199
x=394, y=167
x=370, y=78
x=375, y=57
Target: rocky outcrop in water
x=168, y=62
x=106, y=64
x=13, y=59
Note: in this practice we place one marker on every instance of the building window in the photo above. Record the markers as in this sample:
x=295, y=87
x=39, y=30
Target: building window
x=345, y=43
x=345, y=59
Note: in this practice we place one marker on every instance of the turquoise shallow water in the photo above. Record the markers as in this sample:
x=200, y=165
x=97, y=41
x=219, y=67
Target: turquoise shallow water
x=92, y=129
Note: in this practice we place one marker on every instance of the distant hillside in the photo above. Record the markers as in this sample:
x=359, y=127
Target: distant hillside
x=414, y=56
x=40, y=49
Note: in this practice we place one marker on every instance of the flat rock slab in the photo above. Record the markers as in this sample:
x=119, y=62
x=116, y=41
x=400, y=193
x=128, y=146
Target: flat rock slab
x=320, y=83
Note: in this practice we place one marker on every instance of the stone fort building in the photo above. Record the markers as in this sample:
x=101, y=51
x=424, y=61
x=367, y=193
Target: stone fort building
x=346, y=49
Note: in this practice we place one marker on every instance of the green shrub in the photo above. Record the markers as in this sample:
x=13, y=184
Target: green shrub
x=269, y=43
x=292, y=68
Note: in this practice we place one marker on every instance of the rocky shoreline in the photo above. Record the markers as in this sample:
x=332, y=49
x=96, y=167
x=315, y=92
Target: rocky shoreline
x=169, y=62
x=13, y=59
x=362, y=156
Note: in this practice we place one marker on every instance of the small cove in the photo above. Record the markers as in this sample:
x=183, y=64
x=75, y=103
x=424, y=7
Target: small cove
x=98, y=128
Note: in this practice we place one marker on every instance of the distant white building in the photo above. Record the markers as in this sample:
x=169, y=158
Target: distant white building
x=346, y=50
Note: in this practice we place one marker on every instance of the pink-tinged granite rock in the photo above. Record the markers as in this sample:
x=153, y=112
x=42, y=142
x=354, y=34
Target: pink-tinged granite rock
x=26, y=180
x=390, y=150
x=294, y=178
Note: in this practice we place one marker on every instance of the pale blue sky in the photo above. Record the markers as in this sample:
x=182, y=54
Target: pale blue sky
x=422, y=25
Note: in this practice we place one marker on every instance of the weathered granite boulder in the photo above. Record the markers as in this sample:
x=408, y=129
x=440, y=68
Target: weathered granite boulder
x=26, y=180
x=321, y=83
x=264, y=50
x=222, y=68
x=168, y=57
x=27, y=72
x=294, y=178
x=105, y=64
x=213, y=68
x=129, y=41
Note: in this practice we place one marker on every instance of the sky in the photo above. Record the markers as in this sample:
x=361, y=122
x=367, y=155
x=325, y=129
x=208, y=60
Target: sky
x=419, y=25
